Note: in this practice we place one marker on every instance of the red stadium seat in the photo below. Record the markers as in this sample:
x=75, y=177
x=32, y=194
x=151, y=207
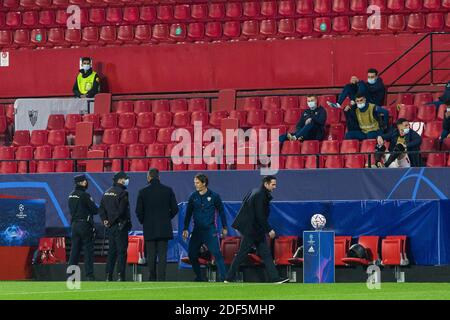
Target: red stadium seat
x=147, y=13
x=164, y=12
x=216, y=10
x=111, y=136
x=333, y=162
x=251, y=9
x=160, y=33
x=163, y=119
x=408, y=112
x=56, y=36
x=38, y=137
x=368, y=145
x=370, y=243
x=178, y=105
x=73, y=36
x=155, y=150
x=337, y=132
x=213, y=30
x=29, y=19
x=396, y=22
x=414, y=5
x=123, y=106
x=305, y=7
x=391, y=251
x=322, y=25
x=90, y=35
x=201, y=116
x=310, y=147
x=145, y=120
x=255, y=117
x=322, y=6
x=165, y=135
x=435, y=21
x=95, y=119
x=55, y=122
x=286, y=27
x=354, y=161
x=61, y=152
x=142, y=106
x=350, y=146
x=131, y=14
x=216, y=118
x=251, y=103
x=196, y=31
x=24, y=153
x=116, y=153
x=21, y=138
x=284, y=248
x=341, y=247
x=268, y=28
x=274, y=117
x=148, y=135
x=359, y=24
x=43, y=152
x=181, y=119
x=422, y=98
x=160, y=106
x=432, y=5
x=289, y=102
x=405, y=98
x=329, y=146
x=233, y=10
x=426, y=113
x=114, y=15
x=143, y=33
x=199, y=11
x=240, y=115
x=7, y=153
x=126, y=120
x=428, y=144
x=231, y=29
x=341, y=24
x=433, y=129
x=71, y=121
x=341, y=6
x=108, y=120
x=333, y=115
x=13, y=19
x=269, y=8
x=416, y=22
x=229, y=248
x=197, y=104
x=271, y=103
x=292, y=116
x=182, y=12
x=436, y=160
x=129, y=136
x=97, y=15
x=57, y=137
x=11, y=4
x=286, y=8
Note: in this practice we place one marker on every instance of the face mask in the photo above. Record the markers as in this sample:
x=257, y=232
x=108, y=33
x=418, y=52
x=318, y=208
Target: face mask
x=361, y=105
x=86, y=67
x=126, y=182
x=312, y=104
x=406, y=130
x=371, y=81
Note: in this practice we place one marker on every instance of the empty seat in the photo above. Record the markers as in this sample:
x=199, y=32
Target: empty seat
x=178, y=105
x=322, y=6
x=123, y=106
x=163, y=119
x=144, y=120
x=29, y=19
x=126, y=120
x=94, y=118
x=160, y=106
x=73, y=36
x=268, y=28
x=200, y=116
x=354, y=161
x=416, y=22
x=240, y=115
x=359, y=24
x=111, y=136
x=289, y=102
x=274, y=117
x=55, y=121
x=286, y=27
x=97, y=15
x=38, y=137
x=396, y=22
x=216, y=117
x=422, y=98
x=292, y=116
x=435, y=160
x=216, y=10
x=413, y=5
x=426, y=113
x=57, y=137
x=142, y=106
x=197, y=104
x=286, y=8
x=182, y=12
x=56, y=36
x=21, y=138
x=129, y=136
x=433, y=129
x=114, y=15
x=322, y=25
x=131, y=14
x=341, y=6
x=160, y=32
x=341, y=24
x=61, y=152
x=148, y=135
x=329, y=146
x=108, y=120
x=233, y=10
x=181, y=119
x=432, y=5
x=255, y=117
x=231, y=29
x=269, y=8
x=22, y=38
x=199, y=11
x=213, y=30
x=90, y=35
x=196, y=31
x=43, y=152
x=165, y=135
x=250, y=29
x=333, y=162
x=13, y=19
x=143, y=33
x=147, y=13
x=435, y=21
x=408, y=112
x=165, y=12
x=251, y=9
x=305, y=6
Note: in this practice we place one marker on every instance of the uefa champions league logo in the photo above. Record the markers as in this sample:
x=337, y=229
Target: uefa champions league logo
x=21, y=214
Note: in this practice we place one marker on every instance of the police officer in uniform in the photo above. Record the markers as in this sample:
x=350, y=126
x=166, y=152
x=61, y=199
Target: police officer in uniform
x=115, y=213
x=87, y=84
x=82, y=209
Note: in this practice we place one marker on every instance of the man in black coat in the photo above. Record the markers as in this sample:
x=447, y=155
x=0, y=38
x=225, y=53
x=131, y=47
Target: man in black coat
x=156, y=207
x=402, y=139
x=252, y=223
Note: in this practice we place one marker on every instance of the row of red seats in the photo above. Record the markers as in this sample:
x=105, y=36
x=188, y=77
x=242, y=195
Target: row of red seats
x=216, y=31
x=233, y=9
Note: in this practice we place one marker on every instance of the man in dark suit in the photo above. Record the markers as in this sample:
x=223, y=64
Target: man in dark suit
x=156, y=207
x=252, y=223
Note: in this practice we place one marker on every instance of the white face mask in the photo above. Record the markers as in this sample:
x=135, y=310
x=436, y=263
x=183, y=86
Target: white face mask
x=126, y=182
x=361, y=105
x=312, y=105
x=86, y=67
x=371, y=81
x=406, y=130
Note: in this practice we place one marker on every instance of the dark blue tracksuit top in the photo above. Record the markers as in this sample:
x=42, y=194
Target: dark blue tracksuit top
x=203, y=208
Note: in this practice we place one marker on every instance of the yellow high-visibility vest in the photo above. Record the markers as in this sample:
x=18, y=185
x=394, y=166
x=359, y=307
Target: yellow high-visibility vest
x=86, y=84
x=367, y=122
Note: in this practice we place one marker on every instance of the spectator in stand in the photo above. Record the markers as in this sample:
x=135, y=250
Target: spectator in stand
x=311, y=125
x=374, y=90
x=87, y=84
x=442, y=99
x=446, y=124
x=404, y=145
x=363, y=119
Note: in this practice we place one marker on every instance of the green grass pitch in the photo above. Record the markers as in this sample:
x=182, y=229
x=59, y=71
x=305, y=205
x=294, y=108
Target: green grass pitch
x=10, y=290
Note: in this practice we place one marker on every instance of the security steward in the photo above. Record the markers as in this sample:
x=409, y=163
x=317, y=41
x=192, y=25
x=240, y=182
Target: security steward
x=87, y=84
x=115, y=212
x=82, y=209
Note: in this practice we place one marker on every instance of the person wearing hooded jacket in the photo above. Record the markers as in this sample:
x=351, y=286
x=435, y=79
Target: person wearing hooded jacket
x=87, y=83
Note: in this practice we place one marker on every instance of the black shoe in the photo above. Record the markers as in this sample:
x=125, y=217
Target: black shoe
x=199, y=280
x=281, y=280
x=120, y=277
x=109, y=277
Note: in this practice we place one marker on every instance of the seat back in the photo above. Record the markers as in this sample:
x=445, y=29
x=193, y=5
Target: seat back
x=284, y=249
x=370, y=243
x=229, y=248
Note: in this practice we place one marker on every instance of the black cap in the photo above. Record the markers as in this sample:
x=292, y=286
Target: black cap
x=120, y=175
x=80, y=178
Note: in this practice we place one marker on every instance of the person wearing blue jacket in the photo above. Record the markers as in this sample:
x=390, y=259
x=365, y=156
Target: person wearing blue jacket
x=311, y=125
x=444, y=98
x=374, y=89
x=407, y=138
x=202, y=207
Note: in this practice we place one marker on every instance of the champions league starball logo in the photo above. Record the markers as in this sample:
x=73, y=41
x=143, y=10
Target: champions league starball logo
x=13, y=234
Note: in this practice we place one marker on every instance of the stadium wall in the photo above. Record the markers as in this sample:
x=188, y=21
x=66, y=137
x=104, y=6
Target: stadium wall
x=325, y=62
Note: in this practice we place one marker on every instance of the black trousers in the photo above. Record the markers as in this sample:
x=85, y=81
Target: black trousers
x=118, y=245
x=262, y=249
x=83, y=238
x=157, y=249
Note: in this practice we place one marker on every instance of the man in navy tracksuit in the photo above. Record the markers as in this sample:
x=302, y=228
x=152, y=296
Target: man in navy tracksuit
x=203, y=205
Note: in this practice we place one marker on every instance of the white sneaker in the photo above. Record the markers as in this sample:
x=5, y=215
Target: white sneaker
x=282, y=280
x=333, y=105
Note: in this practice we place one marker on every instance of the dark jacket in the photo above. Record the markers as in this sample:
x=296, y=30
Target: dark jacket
x=446, y=124
x=115, y=205
x=377, y=92
x=319, y=118
x=446, y=95
x=156, y=207
x=252, y=218
x=95, y=88
x=413, y=141
x=203, y=208
x=81, y=205
x=352, y=122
